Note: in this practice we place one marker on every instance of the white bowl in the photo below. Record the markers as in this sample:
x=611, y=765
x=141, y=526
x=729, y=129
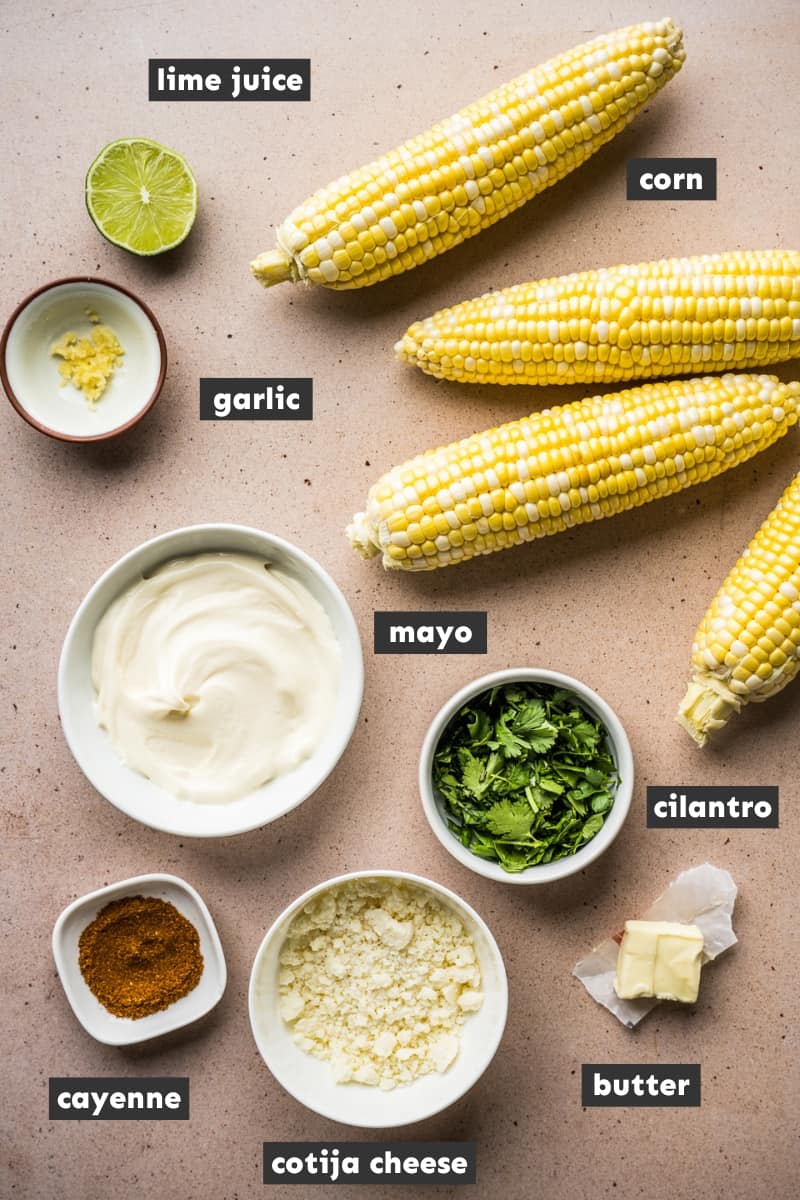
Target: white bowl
x=132, y=792
x=122, y=1031
x=310, y=1080
x=30, y=374
x=433, y=802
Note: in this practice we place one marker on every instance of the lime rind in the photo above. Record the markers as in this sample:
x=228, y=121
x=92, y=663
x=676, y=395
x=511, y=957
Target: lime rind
x=141, y=195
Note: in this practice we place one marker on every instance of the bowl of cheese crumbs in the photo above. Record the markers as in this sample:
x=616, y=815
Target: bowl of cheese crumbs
x=82, y=359
x=378, y=998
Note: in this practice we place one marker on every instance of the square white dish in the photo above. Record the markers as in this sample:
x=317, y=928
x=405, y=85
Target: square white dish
x=93, y=1016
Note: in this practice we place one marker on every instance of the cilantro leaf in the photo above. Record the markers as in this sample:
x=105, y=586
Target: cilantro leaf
x=525, y=774
x=471, y=772
x=508, y=741
x=601, y=802
x=530, y=719
x=510, y=820
x=592, y=826
x=479, y=726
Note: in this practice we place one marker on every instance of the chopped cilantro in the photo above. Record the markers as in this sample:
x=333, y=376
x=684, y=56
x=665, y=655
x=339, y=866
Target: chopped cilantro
x=526, y=775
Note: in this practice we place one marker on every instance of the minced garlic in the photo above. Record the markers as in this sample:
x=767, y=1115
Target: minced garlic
x=377, y=976
x=89, y=361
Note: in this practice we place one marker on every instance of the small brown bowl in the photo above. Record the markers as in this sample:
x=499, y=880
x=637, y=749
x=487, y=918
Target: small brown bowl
x=30, y=374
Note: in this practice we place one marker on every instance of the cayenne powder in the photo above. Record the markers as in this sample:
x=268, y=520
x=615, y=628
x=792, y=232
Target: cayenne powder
x=139, y=955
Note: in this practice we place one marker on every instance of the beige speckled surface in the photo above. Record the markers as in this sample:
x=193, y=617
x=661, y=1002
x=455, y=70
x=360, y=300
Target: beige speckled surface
x=615, y=604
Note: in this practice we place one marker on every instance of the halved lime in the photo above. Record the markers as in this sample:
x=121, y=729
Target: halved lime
x=141, y=196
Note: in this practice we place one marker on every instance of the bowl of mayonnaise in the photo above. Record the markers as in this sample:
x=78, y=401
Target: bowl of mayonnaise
x=210, y=680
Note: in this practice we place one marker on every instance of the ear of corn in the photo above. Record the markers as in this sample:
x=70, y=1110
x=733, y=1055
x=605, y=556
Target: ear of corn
x=748, y=644
x=681, y=315
x=568, y=466
x=470, y=170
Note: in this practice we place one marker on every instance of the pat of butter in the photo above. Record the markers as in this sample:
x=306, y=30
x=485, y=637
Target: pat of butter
x=659, y=958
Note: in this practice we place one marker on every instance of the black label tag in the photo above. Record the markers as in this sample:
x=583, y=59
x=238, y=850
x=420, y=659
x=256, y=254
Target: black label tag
x=430, y=633
x=229, y=79
x=672, y=179
x=640, y=1085
x=369, y=1162
x=712, y=807
x=256, y=399
x=107, y=1098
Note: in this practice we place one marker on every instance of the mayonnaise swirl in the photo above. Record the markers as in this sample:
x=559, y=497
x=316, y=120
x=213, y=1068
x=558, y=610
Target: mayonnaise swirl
x=214, y=675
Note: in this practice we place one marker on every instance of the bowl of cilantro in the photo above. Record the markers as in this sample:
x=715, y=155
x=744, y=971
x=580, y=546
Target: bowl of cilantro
x=526, y=775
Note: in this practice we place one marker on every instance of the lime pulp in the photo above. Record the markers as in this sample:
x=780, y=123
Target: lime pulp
x=141, y=196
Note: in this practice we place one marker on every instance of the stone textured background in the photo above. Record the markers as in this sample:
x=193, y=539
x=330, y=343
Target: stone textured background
x=615, y=604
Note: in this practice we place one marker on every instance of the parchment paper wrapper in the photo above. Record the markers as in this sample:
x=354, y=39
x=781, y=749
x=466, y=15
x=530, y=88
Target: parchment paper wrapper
x=703, y=896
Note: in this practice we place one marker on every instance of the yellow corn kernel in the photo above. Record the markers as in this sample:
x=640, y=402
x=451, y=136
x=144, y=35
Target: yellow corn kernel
x=524, y=337
x=473, y=168
x=757, y=609
x=541, y=461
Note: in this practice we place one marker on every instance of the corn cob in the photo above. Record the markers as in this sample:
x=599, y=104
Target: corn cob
x=568, y=466
x=674, y=317
x=470, y=170
x=748, y=644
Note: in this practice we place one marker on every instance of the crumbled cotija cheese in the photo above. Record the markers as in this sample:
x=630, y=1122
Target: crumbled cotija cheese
x=377, y=977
